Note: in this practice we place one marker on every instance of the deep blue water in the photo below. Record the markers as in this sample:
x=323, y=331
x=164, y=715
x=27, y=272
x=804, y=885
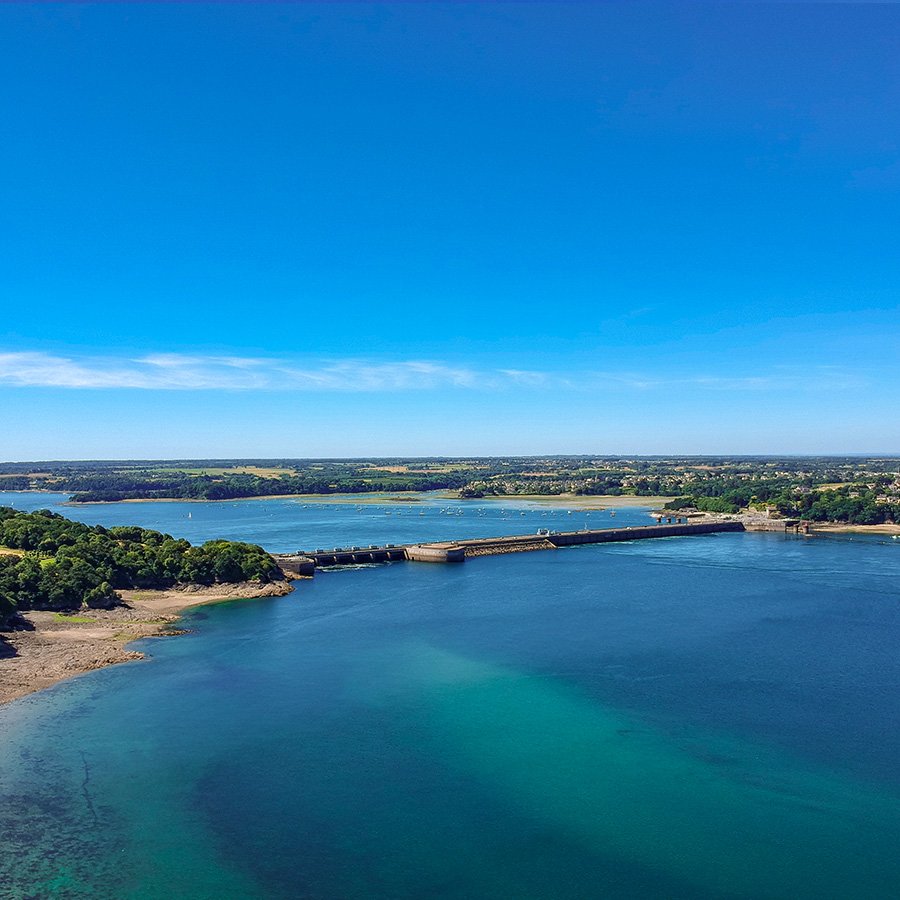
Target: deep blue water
x=709, y=716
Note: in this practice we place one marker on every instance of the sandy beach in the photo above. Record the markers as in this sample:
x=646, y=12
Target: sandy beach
x=839, y=528
x=62, y=646
x=757, y=523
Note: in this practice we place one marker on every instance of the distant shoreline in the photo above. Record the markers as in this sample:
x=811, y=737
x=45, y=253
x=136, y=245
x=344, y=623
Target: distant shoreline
x=584, y=501
x=814, y=527
x=30, y=491
x=841, y=528
x=64, y=646
x=374, y=497
x=590, y=502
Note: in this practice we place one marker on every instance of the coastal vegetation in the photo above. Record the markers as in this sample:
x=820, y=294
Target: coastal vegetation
x=852, y=504
x=64, y=565
x=229, y=479
x=855, y=490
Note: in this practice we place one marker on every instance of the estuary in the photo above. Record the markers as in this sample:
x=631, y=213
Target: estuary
x=703, y=717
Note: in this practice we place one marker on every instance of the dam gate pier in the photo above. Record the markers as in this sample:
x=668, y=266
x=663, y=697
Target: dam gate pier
x=305, y=563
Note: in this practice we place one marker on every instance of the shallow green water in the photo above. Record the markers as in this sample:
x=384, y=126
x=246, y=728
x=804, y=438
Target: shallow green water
x=699, y=717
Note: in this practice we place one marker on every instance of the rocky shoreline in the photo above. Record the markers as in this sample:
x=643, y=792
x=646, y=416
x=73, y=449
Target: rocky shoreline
x=50, y=646
x=760, y=522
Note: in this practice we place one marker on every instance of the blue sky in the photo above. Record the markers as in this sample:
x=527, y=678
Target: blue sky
x=445, y=229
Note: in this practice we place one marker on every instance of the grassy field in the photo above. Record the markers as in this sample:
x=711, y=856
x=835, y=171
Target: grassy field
x=214, y=472
x=77, y=620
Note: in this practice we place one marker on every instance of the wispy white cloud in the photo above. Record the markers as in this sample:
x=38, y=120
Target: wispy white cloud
x=527, y=377
x=157, y=372
x=174, y=371
x=171, y=371
x=777, y=378
x=355, y=375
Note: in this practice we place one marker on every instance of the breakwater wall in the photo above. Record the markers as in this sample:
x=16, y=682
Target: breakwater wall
x=304, y=563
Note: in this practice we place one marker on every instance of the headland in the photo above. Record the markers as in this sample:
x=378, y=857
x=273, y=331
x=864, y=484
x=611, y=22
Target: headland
x=53, y=646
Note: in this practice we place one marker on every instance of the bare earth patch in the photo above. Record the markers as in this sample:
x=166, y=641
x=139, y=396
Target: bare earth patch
x=61, y=646
x=838, y=528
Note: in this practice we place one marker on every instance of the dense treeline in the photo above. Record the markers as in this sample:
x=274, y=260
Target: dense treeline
x=718, y=483
x=839, y=506
x=512, y=485
x=91, y=489
x=728, y=495
x=15, y=483
x=853, y=504
x=65, y=564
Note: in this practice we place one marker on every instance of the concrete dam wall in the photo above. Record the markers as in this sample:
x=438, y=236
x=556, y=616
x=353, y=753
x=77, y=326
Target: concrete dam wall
x=305, y=563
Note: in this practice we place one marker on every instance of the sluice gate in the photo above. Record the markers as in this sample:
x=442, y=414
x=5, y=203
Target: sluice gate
x=306, y=562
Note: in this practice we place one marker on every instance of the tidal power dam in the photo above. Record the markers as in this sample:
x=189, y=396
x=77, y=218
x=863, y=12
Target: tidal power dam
x=305, y=563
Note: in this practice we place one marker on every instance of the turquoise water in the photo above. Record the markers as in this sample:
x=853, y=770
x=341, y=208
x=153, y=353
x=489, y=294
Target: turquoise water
x=283, y=525
x=692, y=717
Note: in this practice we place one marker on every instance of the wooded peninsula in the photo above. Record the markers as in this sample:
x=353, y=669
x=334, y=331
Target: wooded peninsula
x=48, y=562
